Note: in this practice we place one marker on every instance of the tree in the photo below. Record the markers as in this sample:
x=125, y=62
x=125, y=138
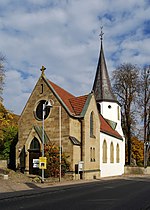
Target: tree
x=137, y=151
x=2, y=75
x=144, y=104
x=144, y=98
x=125, y=86
x=10, y=135
x=8, y=131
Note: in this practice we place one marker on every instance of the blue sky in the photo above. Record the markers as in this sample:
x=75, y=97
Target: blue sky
x=63, y=35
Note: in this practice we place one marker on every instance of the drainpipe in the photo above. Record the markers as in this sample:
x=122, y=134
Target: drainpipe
x=81, y=156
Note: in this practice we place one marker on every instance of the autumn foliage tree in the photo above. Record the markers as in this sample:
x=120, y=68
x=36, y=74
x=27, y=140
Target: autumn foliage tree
x=53, y=163
x=138, y=151
x=8, y=131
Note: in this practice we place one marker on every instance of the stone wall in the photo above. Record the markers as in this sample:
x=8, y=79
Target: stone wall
x=3, y=164
x=137, y=170
x=51, y=124
x=91, y=167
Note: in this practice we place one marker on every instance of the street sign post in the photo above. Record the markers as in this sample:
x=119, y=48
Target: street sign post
x=42, y=162
x=35, y=163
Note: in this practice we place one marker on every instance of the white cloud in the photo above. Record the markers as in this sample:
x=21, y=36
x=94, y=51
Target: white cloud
x=63, y=36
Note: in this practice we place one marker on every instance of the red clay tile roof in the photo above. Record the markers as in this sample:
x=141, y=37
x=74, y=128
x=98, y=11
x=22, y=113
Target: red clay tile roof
x=106, y=128
x=74, y=104
x=78, y=103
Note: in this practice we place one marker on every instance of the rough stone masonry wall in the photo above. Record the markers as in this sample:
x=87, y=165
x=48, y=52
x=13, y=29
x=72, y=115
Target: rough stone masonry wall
x=92, y=169
x=28, y=120
x=136, y=170
x=75, y=131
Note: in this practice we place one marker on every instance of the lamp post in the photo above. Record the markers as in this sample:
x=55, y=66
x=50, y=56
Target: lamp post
x=51, y=103
x=46, y=104
x=60, y=143
x=146, y=149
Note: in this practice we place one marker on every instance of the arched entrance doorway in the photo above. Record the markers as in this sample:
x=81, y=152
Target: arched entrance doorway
x=34, y=153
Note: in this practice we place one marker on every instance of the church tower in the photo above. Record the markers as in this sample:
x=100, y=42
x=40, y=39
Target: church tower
x=107, y=103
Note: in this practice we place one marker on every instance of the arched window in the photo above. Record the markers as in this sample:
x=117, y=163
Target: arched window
x=111, y=153
x=35, y=145
x=117, y=154
x=92, y=124
x=104, y=152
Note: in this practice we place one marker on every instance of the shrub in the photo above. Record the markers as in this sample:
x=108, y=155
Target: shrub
x=53, y=161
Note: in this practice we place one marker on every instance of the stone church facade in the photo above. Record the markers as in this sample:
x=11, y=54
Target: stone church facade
x=87, y=132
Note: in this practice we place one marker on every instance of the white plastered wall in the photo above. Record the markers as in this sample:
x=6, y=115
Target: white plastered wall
x=112, y=169
x=109, y=110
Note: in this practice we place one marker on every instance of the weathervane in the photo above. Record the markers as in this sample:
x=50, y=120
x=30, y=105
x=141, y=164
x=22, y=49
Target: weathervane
x=101, y=34
x=42, y=70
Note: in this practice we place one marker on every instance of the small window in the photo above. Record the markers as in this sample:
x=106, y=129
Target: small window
x=111, y=153
x=117, y=154
x=91, y=125
x=104, y=152
x=109, y=106
x=92, y=154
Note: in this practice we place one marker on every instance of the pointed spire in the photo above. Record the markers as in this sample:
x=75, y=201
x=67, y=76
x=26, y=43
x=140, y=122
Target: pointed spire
x=102, y=87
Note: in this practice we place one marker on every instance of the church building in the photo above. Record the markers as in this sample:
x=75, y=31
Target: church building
x=88, y=127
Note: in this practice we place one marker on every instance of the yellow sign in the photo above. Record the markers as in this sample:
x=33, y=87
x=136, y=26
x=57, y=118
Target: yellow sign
x=42, y=162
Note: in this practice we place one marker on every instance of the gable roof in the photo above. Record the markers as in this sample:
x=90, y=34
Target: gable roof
x=64, y=95
x=107, y=129
x=78, y=105
x=74, y=104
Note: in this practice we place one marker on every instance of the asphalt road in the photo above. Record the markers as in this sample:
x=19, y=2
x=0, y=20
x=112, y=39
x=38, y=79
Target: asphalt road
x=116, y=194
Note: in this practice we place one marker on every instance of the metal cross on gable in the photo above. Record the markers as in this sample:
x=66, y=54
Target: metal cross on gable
x=43, y=69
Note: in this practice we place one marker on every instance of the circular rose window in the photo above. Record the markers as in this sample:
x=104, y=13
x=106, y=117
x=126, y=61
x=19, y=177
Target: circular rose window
x=39, y=110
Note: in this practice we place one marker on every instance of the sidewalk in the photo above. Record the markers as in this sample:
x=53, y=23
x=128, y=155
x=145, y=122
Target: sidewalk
x=21, y=182
x=20, y=185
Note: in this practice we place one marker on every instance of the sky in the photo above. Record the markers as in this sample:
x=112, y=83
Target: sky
x=63, y=35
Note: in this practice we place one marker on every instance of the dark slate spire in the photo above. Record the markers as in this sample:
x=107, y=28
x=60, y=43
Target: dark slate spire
x=102, y=87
